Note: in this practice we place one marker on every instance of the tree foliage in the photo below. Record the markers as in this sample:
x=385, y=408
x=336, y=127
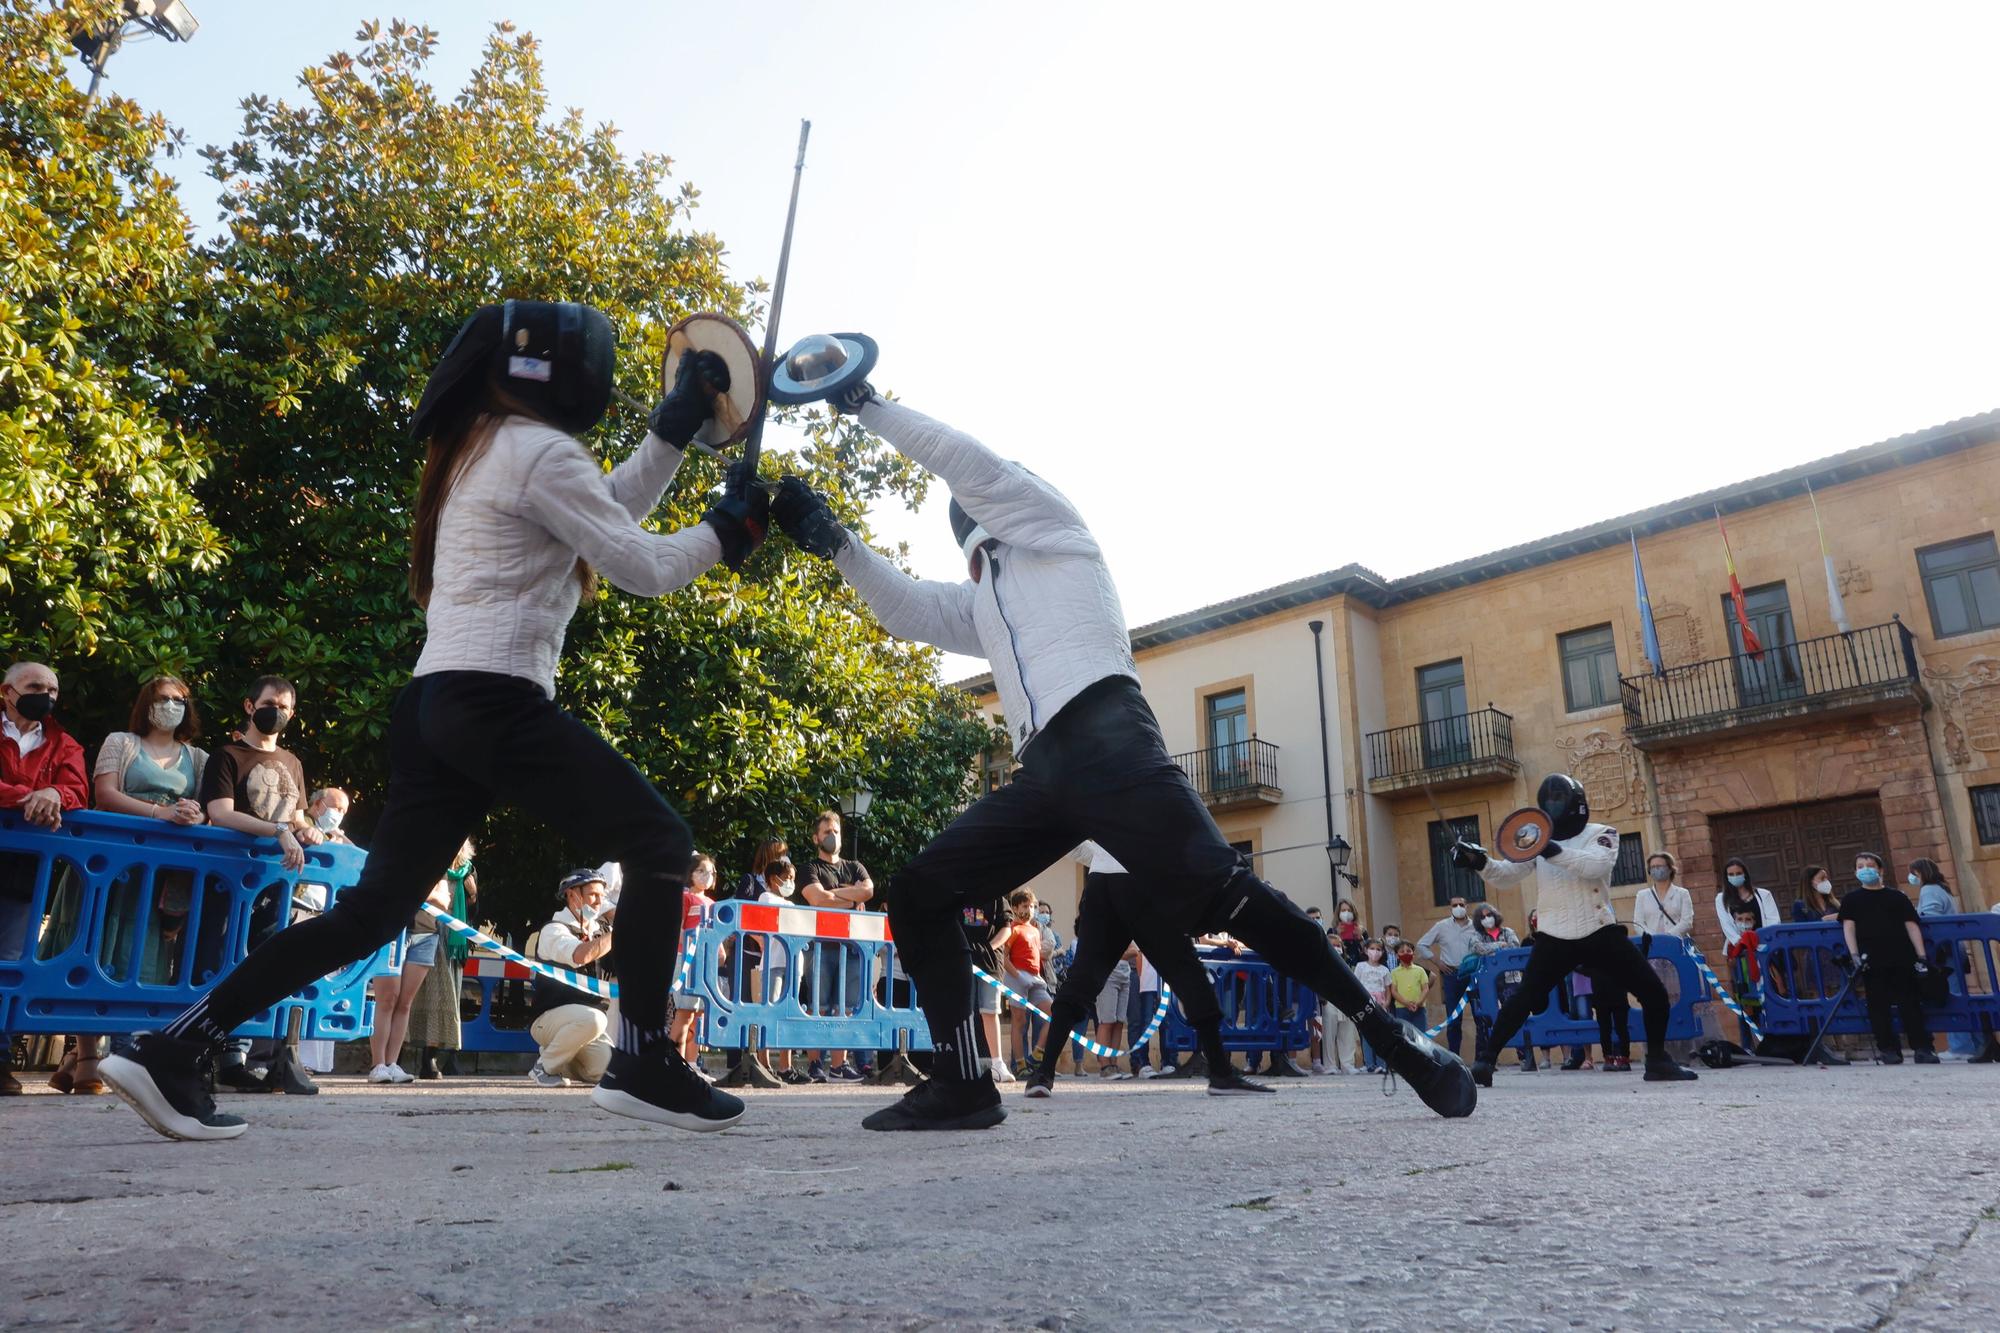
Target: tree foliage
x=362, y=221
x=105, y=551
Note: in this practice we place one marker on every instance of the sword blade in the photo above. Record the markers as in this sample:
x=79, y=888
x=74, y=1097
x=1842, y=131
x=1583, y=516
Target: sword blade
x=753, y=447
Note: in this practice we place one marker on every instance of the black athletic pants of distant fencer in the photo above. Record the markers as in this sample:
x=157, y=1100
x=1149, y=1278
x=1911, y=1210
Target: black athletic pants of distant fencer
x=1895, y=985
x=1099, y=769
x=461, y=742
x=1113, y=914
x=1615, y=966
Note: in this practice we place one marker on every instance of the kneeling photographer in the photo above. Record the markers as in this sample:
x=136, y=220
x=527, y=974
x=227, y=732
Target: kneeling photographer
x=571, y=1025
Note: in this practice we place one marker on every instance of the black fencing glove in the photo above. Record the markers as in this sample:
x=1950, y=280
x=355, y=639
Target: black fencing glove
x=853, y=398
x=1468, y=855
x=1552, y=851
x=697, y=379
x=742, y=516
x=808, y=519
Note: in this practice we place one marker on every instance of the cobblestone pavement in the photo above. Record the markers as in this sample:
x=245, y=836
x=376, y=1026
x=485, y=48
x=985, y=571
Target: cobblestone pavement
x=1757, y=1198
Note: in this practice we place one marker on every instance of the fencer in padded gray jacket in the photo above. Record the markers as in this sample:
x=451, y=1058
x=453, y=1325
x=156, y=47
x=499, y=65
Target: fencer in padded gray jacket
x=1039, y=605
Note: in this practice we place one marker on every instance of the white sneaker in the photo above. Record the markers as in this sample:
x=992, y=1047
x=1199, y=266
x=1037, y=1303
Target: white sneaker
x=545, y=1078
x=397, y=1075
x=1147, y=1071
x=1319, y=1067
x=1002, y=1074
x=381, y=1074
x=1118, y=1074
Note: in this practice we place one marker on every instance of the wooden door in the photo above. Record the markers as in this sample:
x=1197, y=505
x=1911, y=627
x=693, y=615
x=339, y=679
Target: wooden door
x=1777, y=845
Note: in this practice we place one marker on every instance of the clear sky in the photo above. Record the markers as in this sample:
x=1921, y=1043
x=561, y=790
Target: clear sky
x=1270, y=288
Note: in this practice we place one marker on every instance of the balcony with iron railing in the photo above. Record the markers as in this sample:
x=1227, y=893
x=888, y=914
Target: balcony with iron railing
x=1238, y=774
x=1838, y=673
x=1462, y=750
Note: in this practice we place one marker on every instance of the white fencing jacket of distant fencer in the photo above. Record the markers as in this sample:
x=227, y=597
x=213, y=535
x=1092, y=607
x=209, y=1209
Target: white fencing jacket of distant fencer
x=1575, y=886
x=1043, y=609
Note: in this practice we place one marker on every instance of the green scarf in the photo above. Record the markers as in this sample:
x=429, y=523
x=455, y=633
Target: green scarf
x=456, y=947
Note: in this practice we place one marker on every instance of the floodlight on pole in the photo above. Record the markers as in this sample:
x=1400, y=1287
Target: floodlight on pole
x=170, y=19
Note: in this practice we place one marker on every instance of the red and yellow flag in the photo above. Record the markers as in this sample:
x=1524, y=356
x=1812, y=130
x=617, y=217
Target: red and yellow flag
x=1750, y=643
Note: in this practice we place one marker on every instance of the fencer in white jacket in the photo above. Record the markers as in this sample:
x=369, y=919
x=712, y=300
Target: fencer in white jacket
x=1575, y=927
x=1039, y=603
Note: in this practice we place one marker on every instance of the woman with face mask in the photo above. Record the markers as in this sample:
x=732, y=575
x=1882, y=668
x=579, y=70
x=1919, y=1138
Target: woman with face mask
x=151, y=771
x=1739, y=893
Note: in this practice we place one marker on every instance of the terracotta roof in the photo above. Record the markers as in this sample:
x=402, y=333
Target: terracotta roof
x=1359, y=581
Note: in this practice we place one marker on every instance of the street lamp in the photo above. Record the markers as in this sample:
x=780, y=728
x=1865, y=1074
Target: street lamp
x=854, y=808
x=170, y=19
x=1337, y=852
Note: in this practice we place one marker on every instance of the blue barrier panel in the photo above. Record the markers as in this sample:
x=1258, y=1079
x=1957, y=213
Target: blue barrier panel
x=1261, y=1010
x=1570, y=1023
x=502, y=985
x=128, y=921
x=801, y=978
x=1801, y=978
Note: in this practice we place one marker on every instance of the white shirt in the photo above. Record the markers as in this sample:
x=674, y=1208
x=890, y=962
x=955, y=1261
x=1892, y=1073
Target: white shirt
x=1096, y=859
x=28, y=741
x=504, y=583
x=1767, y=914
x=1149, y=976
x=1671, y=913
x=562, y=937
x=1573, y=902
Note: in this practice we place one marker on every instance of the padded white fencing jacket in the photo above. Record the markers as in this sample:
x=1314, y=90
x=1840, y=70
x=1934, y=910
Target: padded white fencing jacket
x=1576, y=885
x=1040, y=605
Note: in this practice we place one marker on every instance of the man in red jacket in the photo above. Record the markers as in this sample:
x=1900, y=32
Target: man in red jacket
x=41, y=775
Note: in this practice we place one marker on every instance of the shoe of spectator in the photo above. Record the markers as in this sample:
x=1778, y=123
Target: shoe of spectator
x=381, y=1074
x=844, y=1074
x=239, y=1078
x=165, y=1081
x=1924, y=1057
x=942, y=1104
x=1989, y=1056
x=288, y=1076
x=1888, y=1057
x=1573, y=1063
x=397, y=1074
x=1119, y=1075
x=540, y=1075
x=1528, y=1065
x=793, y=1077
x=1663, y=1068
x=1147, y=1071
x=1233, y=1084
x=1000, y=1072
x=1041, y=1085
x=429, y=1068
x=1319, y=1067
x=9, y=1085
x=661, y=1087
x=815, y=1073
x=1433, y=1073
x=1618, y=1064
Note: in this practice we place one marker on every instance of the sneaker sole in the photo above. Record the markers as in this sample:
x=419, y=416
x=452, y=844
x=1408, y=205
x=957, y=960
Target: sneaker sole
x=135, y=1087
x=625, y=1104
x=1215, y=1091
x=985, y=1117
x=1038, y=1091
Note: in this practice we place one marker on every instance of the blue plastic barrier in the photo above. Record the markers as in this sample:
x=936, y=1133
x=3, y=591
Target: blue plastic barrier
x=1801, y=977
x=130, y=920
x=802, y=978
x=1261, y=1010
x=502, y=985
x=1570, y=1023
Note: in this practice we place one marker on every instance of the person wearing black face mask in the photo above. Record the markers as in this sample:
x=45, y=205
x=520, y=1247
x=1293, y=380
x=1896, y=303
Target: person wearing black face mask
x=41, y=775
x=254, y=785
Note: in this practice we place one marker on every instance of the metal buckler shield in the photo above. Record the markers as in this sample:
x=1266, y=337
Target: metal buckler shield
x=820, y=366
x=1523, y=835
x=743, y=404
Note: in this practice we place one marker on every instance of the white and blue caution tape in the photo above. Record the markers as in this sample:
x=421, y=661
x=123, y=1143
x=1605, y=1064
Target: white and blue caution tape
x=606, y=990
x=1464, y=999
x=1159, y=1016
x=1721, y=991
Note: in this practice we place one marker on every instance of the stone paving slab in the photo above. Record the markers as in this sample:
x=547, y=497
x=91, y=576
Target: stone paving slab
x=1862, y=1198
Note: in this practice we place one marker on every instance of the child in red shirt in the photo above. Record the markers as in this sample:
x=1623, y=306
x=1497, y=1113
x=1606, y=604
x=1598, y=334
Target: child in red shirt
x=1019, y=944
x=695, y=903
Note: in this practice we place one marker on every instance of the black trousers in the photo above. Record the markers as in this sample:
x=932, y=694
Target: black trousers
x=461, y=742
x=1894, y=986
x=1614, y=1021
x=1099, y=770
x=1113, y=914
x=1615, y=966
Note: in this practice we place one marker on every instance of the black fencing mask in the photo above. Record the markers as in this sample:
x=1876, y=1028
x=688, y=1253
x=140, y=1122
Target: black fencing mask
x=1561, y=798
x=555, y=356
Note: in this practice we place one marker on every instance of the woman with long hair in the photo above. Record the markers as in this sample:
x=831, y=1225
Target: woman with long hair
x=1816, y=901
x=514, y=520
x=1738, y=894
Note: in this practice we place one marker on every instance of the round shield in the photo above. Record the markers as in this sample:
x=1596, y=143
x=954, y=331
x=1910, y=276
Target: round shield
x=820, y=366
x=1523, y=835
x=744, y=402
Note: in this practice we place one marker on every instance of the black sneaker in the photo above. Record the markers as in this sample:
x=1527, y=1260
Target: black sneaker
x=1041, y=1083
x=1664, y=1068
x=166, y=1081
x=242, y=1078
x=1232, y=1084
x=1435, y=1074
x=943, y=1104
x=793, y=1077
x=1482, y=1073
x=1888, y=1057
x=660, y=1086
x=1927, y=1057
